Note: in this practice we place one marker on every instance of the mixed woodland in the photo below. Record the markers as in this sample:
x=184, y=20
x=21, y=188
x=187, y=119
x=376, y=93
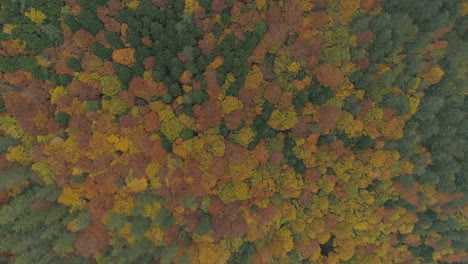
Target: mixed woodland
x=227, y=131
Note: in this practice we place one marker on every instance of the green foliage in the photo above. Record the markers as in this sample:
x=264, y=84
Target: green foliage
x=319, y=94
x=199, y=97
x=13, y=177
x=204, y=224
x=62, y=118
x=102, y=52
x=139, y=226
x=75, y=65
x=114, y=40
x=89, y=22
x=398, y=102
x=164, y=219
x=72, y=22
x=187, y=134
x=123, y=72
x=93, y=105
x=2, y=107
x=6, y=142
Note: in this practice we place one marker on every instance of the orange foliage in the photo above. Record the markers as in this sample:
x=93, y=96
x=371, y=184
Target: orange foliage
x=124, y=56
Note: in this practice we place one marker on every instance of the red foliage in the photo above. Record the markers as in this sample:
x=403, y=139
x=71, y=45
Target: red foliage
x=218, y=6
x=329, y=75
x=83, y=40
x=364, y=37
x=149, y=63
x=303, y=48
x=129, y=121
x=292, y=14
x=212, y=87
x=236, y=8
x=151, y=122
x=363, y=63
x=277, y=157
x=236, y=153
x=207, y=44
x=146, y=89
x=319, y=19
x=265, y=215
x=83, y=91
x=207, y=115
x=279, y=32
x=307, y=247
x=273, y=14
x=92, y=240
x=228, y=226
x=300, y=130
x=248, y=18
x=327, y=117
x=36, y=118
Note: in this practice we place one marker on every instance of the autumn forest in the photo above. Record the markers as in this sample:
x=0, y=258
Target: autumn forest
x=233, y=131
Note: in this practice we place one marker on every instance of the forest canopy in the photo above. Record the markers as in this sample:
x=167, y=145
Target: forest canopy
x=225, y=131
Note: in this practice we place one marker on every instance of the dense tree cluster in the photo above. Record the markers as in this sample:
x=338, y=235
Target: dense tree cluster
x=224, y=131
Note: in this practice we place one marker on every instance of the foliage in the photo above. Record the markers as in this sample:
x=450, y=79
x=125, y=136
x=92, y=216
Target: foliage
x=197, y=131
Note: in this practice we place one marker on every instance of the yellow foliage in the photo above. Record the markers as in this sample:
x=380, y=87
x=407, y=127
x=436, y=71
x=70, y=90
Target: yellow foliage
x=241, y=190
x=58, y=92
x=254, y=79
x=187, y=88
x=283, y=120
x=136, y=185
x=434, y=75
x=152, y=169
x=115, y=105
x=226, y=193
x=133, y=4
x=165, y=112
x=374, y=114
x=281, y=61
x=11, y=127
x=189, y=6
x=124, y=203
x=209, y=252
x=124, y=56
x=230, y=77
x=361, y=226
x=18, y=154
x=218, y=148
x=392, y=129
x=348, y=8
x=406, y=167
x=120, y=143
x=464, y=9
x=346, y=90
x=35, y=16
x=215, y=64
x=233, y=244
x=71, y=197
x=245, y=136
x=7, y=28
x=306, y=5
x=42, y=169
x=413, y=104
x=289, y=186
x=345, y=248
x=294, y=67
x=110, y=85
x=285, y=237
x=349, y=125
x=260, y=4
x=172, y=128
x=231, y=103
x=126, y=233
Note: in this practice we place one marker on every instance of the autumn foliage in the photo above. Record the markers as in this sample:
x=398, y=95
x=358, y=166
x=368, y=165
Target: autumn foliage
x=167, y=131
